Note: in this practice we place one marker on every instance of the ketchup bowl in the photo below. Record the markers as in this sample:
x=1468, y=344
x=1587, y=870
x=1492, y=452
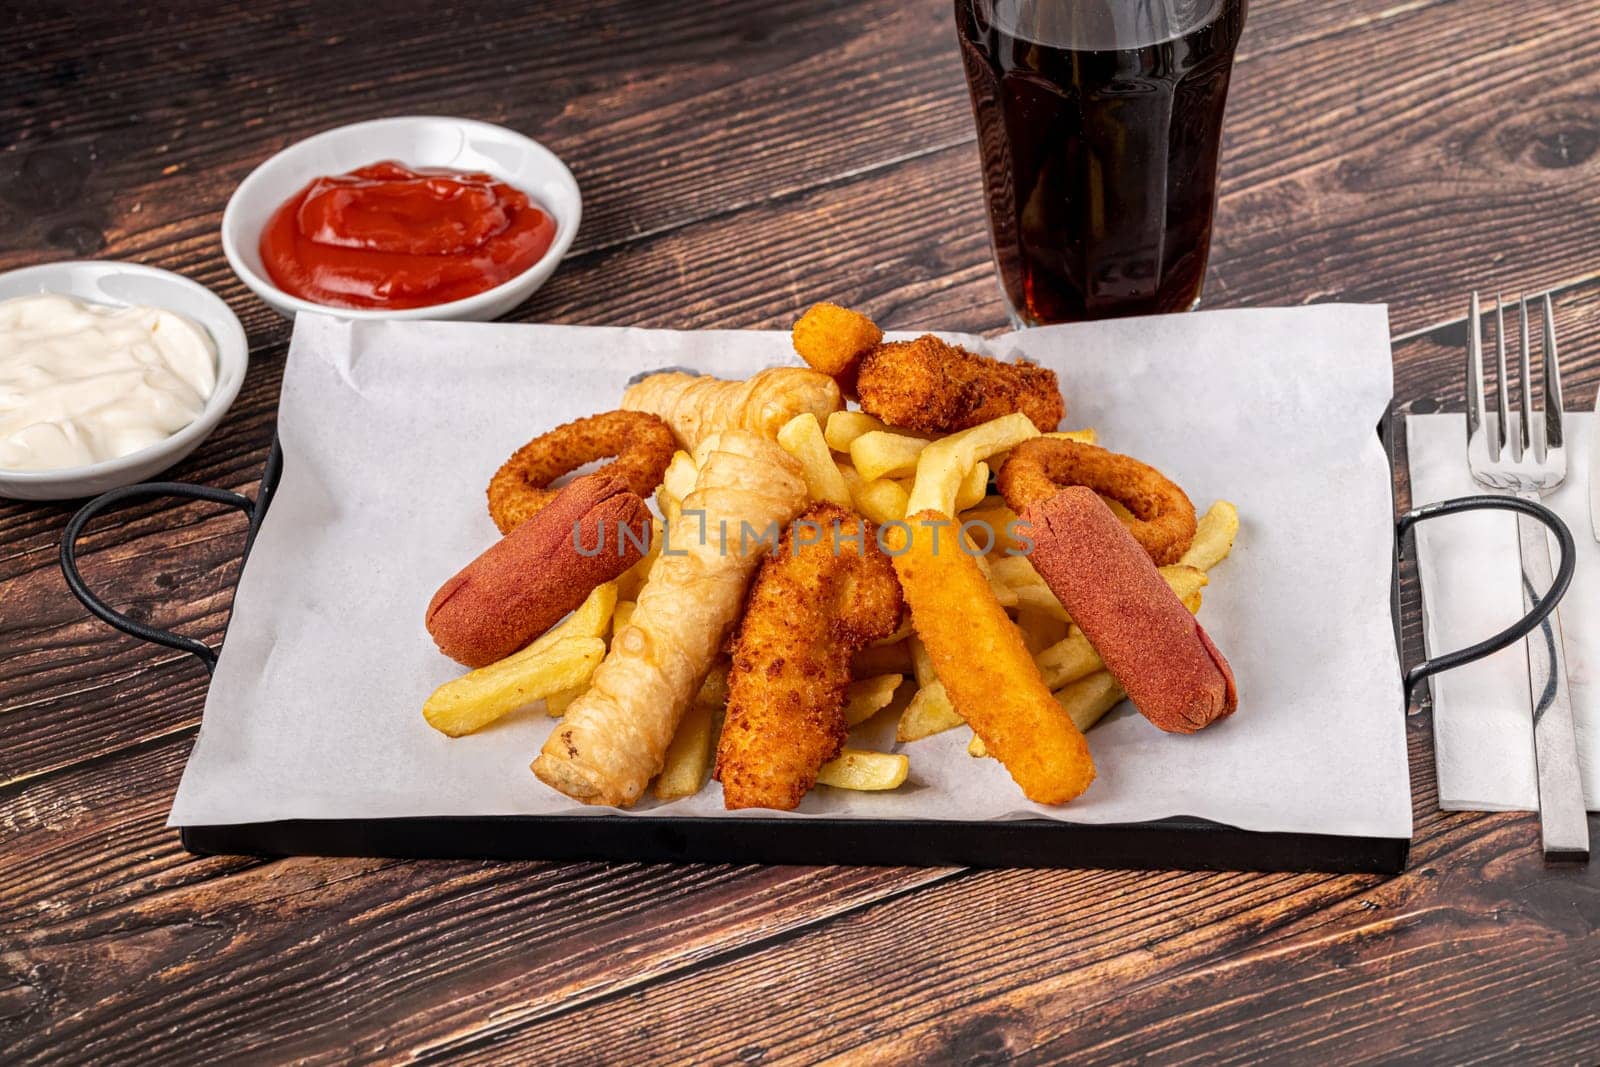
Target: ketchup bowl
x=417, y=141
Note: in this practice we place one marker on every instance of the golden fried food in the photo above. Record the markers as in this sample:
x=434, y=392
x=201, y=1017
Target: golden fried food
x=614, y=738
x=827, y=593
x=698, y=407
x=931, y=385
x=980, y=657
x=641, y=443
x=833, y=339
x=1163, y=519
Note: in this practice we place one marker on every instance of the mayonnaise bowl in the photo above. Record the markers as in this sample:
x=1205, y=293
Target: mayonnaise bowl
x=116, y=284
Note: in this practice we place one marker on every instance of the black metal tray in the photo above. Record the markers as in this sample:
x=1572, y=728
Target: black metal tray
x=1186, y=843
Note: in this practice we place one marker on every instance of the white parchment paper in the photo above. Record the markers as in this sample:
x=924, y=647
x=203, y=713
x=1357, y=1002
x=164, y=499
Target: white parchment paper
x=391, y=430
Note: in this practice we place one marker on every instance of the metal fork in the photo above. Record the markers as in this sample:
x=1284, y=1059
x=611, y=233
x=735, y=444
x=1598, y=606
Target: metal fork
x=1530, y=464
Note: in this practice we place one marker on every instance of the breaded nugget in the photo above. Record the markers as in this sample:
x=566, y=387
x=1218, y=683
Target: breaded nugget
x=833, y=339
x=936, y=387
x=824, y=596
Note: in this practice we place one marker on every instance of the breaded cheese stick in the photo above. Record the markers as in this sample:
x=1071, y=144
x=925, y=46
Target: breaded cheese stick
x=979, y=655
x=614, y=738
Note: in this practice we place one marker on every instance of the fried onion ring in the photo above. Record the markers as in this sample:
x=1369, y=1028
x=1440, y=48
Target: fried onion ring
x=1163, y=519
x=642, y=444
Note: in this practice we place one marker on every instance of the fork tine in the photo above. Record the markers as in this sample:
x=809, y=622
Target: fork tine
x=1527, y=381
x=1502, y=388
x=1552, y=380
x=1524, y=356
x=1475, y=397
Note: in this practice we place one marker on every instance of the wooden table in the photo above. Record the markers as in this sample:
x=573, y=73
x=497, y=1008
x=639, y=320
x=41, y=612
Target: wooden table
x=739, y=161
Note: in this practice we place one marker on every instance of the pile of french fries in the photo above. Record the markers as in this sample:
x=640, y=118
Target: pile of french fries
x=883, y=474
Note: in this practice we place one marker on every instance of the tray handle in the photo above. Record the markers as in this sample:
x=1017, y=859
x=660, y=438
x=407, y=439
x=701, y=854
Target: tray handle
x=1544, y=603
x=118, y=497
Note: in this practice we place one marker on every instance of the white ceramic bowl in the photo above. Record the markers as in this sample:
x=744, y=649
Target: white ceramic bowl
x=123, y=284
x=417, y=141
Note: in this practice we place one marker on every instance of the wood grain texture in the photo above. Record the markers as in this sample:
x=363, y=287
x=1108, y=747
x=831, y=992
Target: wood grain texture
x=739, y=161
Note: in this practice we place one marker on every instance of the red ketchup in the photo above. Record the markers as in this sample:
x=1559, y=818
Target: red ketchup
x=389, y=236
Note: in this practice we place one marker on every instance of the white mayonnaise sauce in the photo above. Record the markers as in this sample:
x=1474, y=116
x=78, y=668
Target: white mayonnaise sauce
x=81, y=383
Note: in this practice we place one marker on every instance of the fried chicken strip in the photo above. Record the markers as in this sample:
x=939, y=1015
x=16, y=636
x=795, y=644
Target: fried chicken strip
x=936, y=387
x=828, y=593
x=614, y=738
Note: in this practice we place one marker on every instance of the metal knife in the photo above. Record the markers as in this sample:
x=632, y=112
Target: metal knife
x=1594, y=472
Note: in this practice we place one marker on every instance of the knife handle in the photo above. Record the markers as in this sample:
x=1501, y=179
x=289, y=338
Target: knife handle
x=1563, y=821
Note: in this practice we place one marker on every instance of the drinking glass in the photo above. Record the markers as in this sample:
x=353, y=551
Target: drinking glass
x=1099, y=124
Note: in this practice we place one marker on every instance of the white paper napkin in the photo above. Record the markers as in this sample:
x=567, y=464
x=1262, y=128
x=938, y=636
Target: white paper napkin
x=1469, y=564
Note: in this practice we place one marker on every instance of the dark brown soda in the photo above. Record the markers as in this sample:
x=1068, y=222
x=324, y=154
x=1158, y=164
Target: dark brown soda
x=1100, y=163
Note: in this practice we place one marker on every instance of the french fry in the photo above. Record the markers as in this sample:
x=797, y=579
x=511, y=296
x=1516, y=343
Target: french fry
x=881, y=501
x=884, y=454
x=475, y=700
x=801, y=437
x=551, y=666
x=976, y=748
x=556, y=704
x=688, y=761
x=1027, y=589
x=1068, y=660
x=694, y=745
x=921, y=663
x=882, y=659
x=1040, y=628
x=1088, y=699
x=845, y=426
x=945, y=463
x=622, y=613
x=1192, y=602
x=1184, y=579
x=1006, y=595
x=1119, y=509
x=1085, y=436
x=998, y=518
x=592, y=619
x=630, y=581
x=862, y=770
x=1213, y=536
x=714, y=690
x=866, y=697
x=974, y=487
x=930, y=712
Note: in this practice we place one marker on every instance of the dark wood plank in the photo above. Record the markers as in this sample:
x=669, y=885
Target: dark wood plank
x=119, y=945
x=1475, y=955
